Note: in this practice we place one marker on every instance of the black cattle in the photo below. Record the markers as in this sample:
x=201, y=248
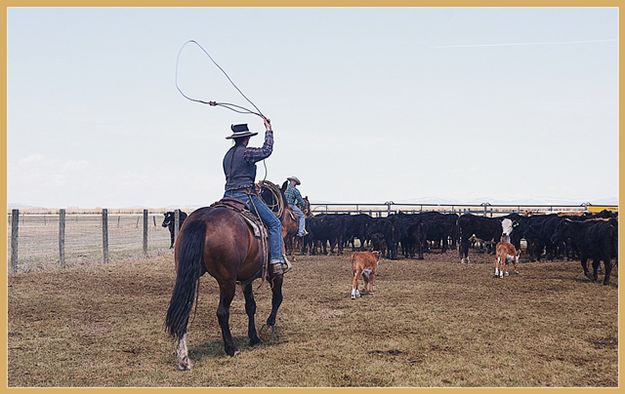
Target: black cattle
x=168, y=222
x=593, y=239
x=440, y=228
x=483, y=228
x=325, y=229
x=356, y=226
x=539, y=236
x=382, y=234
x=404, y=226
x=416, y=239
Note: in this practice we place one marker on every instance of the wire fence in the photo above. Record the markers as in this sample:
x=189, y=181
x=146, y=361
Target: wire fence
x=36, y=242
x=486, y=209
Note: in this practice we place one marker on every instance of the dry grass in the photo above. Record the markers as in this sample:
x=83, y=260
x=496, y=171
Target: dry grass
x=431, y=323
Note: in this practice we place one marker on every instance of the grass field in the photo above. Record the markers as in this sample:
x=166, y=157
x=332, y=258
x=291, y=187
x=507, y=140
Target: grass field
x=431, y=323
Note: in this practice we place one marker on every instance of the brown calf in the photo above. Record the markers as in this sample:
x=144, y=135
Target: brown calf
x=364, y=264
x=506, y=252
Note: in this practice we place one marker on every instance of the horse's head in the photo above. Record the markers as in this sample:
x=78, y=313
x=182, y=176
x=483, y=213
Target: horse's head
x=307, y=211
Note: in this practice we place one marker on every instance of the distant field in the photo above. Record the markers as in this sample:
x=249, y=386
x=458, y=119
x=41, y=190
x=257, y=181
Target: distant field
x=432, y=323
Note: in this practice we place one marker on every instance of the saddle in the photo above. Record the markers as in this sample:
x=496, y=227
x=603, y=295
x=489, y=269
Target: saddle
x=257, y=226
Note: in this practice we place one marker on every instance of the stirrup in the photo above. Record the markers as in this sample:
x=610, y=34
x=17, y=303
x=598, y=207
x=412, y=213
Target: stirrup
x=276, y=269
x=289, y=266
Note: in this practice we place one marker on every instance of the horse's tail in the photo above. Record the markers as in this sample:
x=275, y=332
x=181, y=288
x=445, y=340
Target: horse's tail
x=190, y=268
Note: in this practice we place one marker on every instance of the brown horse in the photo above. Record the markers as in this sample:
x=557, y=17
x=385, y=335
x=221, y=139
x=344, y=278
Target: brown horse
x=217, y=240
x=291, y=227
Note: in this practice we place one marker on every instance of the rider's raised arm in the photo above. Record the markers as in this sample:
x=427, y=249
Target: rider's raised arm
x=252, y=155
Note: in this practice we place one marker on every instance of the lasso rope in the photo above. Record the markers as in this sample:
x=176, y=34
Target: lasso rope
x=278, y=207
x=232, y=107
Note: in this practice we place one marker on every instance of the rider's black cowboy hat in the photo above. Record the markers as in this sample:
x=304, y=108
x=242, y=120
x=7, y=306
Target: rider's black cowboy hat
x=239, y=131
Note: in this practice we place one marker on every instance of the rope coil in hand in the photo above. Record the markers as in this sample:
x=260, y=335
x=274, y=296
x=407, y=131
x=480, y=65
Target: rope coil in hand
x=277, y=203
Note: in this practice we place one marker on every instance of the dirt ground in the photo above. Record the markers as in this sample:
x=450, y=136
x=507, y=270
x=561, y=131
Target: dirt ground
x=431, y=323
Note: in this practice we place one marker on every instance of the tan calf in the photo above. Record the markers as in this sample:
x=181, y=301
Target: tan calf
x=506, y=252
x=364, y=264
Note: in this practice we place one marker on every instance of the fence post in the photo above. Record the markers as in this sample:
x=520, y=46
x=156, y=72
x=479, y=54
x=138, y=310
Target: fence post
x=15, y=224
x=62, y=237
x=105, y=235
x=145, y=231
x=154, y=217
x=176, y=223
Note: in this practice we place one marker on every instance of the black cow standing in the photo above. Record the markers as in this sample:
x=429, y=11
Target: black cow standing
x=168, y=222
x=593, y=239
x=486, y=229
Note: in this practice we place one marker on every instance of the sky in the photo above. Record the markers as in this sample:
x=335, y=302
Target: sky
x=429, y=105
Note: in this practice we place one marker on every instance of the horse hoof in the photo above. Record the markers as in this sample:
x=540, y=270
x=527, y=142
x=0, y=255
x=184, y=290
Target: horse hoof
x=267, y=333
x=236, y=353
x=184, y=365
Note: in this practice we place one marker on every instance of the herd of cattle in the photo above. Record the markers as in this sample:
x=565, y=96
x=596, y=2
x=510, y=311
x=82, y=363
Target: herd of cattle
x=555, y=236
x=582, y=237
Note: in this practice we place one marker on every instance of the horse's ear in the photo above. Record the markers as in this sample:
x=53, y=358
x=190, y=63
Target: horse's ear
x=284, y=184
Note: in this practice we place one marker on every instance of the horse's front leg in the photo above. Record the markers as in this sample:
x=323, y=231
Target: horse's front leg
x=250, y=309
x=226, y=294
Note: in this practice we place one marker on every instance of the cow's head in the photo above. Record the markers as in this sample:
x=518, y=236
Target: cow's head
x=562, y=231
x=168, y=218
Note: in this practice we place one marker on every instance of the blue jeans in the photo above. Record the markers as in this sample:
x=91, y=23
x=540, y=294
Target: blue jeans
x=266, y=215
x=300, y=217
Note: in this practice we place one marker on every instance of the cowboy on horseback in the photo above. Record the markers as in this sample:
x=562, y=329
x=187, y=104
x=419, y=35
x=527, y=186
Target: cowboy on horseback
x=240, y=169
x=296, y=203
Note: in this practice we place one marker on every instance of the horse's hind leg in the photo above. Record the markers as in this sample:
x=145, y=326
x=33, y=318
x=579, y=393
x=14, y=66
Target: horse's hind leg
x=182, y=353
x=226, y=294
x=276, y=299
x=250, y=309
